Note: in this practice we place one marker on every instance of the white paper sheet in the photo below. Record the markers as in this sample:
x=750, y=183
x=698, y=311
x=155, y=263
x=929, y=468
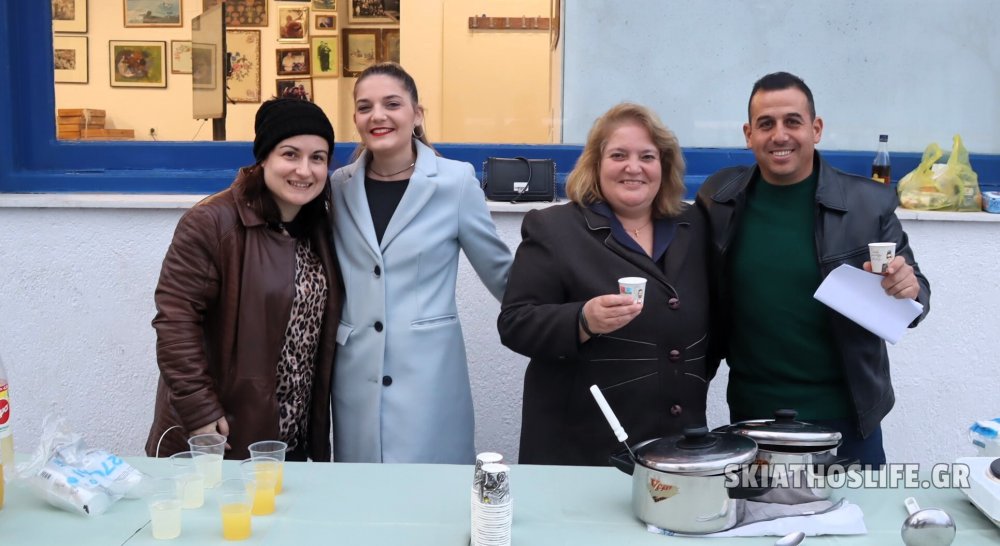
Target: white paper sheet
x=859, y=296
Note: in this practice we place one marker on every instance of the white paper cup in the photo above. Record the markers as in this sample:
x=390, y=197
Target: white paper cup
x=633, y=286
x=880, y=254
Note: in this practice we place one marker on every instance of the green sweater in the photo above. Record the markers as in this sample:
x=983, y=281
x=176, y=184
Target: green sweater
x=781, y=352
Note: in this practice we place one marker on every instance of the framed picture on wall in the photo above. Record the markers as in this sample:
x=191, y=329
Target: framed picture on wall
x=69, y=15
x=325, y=61
x=293, y=62
x=137, y=64
x=203, y=66
x=374, y=11
x=325, y=22
x=180, y=56
x=360, y=46
x=299, y=88
x=389, y=45
x=69, y=53
x=293, y=24
x=324, y=5
x=243, y=50
x=246, y=13
x=153, y=13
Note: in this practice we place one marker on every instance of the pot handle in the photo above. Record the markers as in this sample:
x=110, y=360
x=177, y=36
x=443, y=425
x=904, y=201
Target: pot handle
x=622, y=460
x=822, y=463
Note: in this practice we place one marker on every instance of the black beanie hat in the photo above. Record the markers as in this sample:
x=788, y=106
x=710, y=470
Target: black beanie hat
x=278, y=119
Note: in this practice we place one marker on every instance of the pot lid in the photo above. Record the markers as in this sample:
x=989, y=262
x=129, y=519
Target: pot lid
x=785, y=430
x=697, y=451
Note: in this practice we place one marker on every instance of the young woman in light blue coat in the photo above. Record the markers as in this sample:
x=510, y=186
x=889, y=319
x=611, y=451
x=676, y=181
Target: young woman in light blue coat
x=401, y=382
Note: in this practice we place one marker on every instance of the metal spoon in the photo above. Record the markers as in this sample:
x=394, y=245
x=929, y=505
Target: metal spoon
x=927, y=527
x=791, y=539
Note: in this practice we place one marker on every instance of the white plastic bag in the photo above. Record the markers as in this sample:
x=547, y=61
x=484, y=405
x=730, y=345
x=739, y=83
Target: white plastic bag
x=68, y=475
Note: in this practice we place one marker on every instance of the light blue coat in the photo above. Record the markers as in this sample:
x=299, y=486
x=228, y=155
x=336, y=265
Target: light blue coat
x=425, y=415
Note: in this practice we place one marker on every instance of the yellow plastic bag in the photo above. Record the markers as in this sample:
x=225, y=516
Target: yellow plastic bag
x=950, y=186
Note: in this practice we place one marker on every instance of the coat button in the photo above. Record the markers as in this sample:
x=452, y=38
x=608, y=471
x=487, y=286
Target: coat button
x=378, y=326
x=377, y=271
x=674, y=303
x=675, y=355
x=676, y=410
x=386, y=380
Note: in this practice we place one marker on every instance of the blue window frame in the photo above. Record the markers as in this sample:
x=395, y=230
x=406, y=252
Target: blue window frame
x=33, y=161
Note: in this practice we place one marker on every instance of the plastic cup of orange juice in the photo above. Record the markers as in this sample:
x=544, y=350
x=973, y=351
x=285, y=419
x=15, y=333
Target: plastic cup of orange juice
x=236, y=504
x=263, y=472
x=274, y=449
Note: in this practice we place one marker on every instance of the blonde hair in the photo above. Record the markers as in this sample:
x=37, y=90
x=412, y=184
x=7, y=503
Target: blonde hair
x=583, y=185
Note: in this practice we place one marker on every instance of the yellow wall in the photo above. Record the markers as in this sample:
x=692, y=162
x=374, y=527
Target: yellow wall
x=475, y=86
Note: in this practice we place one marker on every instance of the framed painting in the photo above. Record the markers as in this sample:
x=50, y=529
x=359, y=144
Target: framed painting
x=203, y=66
x=69, y=54
x=246, y=13
x=69, y=15
x=324, y=57
x=389, y=45
x=180, y=56
x=137, y=64
x=325, y=22
x=299, y=88
x=153, y=13
x=324, y=5
x=374, y=11
x=293, y=62
x=293, y=24
x=360, y=46
x=243, y=65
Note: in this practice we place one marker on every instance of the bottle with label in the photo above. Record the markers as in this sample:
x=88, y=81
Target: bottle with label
x=6, y=437
x=880, y=166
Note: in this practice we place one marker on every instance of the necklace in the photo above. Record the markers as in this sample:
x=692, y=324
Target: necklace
x=408, y=167
x=635, y=231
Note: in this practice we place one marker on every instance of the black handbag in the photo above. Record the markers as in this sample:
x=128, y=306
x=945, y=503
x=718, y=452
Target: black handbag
x=519, y=179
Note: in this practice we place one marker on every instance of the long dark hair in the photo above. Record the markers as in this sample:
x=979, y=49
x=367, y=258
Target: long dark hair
x=259, y=198
x=393, y=70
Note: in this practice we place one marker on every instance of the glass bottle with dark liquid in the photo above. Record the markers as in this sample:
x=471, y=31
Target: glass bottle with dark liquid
x=881, y=169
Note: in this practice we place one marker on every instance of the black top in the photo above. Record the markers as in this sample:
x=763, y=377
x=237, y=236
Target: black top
x=383, y=198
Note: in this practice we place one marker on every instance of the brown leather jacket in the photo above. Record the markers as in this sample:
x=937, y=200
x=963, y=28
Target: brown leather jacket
x=223, y=303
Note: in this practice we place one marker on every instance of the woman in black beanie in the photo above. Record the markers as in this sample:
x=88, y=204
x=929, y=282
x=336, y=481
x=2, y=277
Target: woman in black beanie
x=249, y=298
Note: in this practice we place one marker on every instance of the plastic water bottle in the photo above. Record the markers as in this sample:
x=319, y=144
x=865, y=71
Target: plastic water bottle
x=6, y=436
x=881, y=169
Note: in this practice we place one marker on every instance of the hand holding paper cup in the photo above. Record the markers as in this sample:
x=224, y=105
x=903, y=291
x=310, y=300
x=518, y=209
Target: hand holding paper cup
x=881, y=255
x=633, y=286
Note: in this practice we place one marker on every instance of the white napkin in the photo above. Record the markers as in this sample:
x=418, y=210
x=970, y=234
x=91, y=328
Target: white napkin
x=770, y=519
x=859, y=296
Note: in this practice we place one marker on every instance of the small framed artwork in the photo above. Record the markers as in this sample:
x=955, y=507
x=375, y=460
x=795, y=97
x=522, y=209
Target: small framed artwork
x=243, y=51
x=324, y=57
x=324, y=5
x=389, y=45
x=374, y=11
x=69, y=15
x=69, y=53
x=203, y=66
x=360, y=49
x=325, y=22
x=153, y=13
x=299, y=88
x=180, y=56
x=294, y=24
x=205, y=4
x=246, y=13
x=293, y=62
x=138, y=64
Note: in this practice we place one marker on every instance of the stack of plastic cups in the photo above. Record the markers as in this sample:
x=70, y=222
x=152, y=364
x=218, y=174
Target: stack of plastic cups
x=492, y=506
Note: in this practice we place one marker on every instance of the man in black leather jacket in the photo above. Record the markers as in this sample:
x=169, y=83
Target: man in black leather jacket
x=779, y=228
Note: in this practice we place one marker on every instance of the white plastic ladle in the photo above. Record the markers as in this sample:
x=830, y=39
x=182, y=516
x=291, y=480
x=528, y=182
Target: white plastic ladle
x=791, y=539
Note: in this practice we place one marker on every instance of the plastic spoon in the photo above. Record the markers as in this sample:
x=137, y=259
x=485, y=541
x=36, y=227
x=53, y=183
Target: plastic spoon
x=616, y=426
x=791, y=539
x=927, y=527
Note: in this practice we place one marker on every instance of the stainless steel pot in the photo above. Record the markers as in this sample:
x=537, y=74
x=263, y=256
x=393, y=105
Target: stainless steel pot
x=793, y=457
x=679, y=482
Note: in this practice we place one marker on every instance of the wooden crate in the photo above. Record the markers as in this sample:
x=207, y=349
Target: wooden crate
x=107, y=134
